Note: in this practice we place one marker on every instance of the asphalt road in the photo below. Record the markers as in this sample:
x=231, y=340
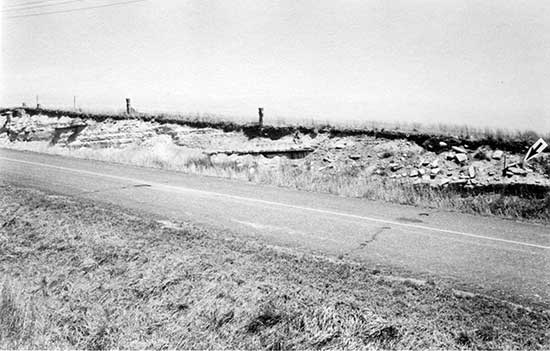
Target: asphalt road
x=502, y=258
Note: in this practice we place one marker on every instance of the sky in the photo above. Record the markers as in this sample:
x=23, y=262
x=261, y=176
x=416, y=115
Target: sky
x=479, y=63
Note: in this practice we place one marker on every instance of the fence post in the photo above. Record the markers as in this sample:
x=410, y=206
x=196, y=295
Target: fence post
x=260, y=117
x=128, y=106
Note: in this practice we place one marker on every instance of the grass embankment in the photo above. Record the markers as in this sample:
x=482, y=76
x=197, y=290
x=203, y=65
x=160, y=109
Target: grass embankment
x=77, y=274
x=161, y=152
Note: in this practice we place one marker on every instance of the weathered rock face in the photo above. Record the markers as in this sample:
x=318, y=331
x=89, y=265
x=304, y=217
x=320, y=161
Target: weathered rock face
x=26, y=128
x=360, y=156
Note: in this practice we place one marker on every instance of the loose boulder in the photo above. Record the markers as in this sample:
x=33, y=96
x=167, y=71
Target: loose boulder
x=497, y=155
x=482, y=154
x=461, y=158
x=517, y=171
x=395, y=167
x=459, y=150
x=471, y=172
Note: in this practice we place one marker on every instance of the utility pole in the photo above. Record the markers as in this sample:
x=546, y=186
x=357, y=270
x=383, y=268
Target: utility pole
x=74, y=102
x=37, y=103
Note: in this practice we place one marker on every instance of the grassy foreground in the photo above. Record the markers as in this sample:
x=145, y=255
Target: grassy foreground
x=78, y=274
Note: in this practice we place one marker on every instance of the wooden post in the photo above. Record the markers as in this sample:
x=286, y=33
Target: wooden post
x=128, y=106
x=74, y=102
x=260, y=117
x=37, y=103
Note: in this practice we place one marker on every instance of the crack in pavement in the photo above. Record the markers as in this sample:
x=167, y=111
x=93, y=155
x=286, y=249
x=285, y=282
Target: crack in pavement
x=373, y=238
x=115, y=188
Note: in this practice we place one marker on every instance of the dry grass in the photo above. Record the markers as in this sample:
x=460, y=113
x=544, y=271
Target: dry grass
x=158, y=152
x=19, y=320
x=81, y=275
x=462, y=131
x=161, y=152
x=355, y=183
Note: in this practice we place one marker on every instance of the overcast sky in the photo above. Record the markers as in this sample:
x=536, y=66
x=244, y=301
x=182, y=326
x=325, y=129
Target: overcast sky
x=462, y=62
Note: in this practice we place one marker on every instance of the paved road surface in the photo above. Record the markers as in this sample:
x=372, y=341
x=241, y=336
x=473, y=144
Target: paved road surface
x=499, y=257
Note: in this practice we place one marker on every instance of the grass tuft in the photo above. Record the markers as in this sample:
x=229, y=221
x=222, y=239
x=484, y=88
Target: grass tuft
x=19, y=321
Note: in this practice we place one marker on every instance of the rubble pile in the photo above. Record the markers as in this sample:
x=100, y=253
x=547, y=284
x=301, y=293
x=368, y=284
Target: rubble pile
x=407, y=162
